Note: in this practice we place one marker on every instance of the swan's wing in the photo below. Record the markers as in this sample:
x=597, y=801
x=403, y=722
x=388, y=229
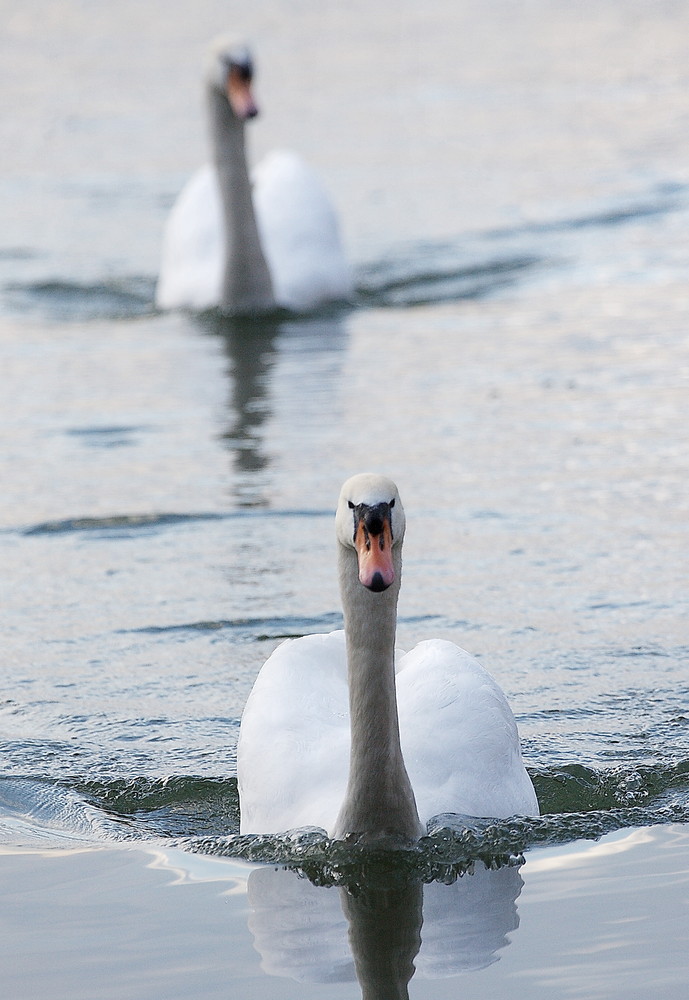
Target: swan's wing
x=192, y=253
x=293, y=750
x=299, y=233
x=459, y=737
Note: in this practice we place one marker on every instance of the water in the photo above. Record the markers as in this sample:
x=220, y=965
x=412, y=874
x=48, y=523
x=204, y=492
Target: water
x=514, y=193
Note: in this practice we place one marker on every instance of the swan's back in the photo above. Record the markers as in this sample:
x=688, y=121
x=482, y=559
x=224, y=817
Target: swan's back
x=299, y=233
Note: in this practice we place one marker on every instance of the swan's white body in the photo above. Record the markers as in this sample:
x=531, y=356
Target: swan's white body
x=191, y=263
x=458, y=736
x=296, y=222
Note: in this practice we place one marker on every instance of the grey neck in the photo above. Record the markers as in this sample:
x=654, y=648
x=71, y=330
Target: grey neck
x=379, y=803
x=246, y=284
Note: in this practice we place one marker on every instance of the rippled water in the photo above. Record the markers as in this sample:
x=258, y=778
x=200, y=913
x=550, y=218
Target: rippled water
x=515, y=200
x=137, y=617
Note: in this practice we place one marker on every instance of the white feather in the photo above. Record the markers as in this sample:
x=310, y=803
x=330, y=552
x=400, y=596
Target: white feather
x=458, y=734
x=458, y=738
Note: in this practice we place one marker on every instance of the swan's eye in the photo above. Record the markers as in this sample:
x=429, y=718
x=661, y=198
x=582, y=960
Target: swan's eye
x=350, y=505
x=392, y=503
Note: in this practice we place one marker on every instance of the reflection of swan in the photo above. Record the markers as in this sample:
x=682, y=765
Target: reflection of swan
x=252, y=350
x=245, y=251
x=262, y=356
x=310, y=933
x=454, y=726
x=385, y=936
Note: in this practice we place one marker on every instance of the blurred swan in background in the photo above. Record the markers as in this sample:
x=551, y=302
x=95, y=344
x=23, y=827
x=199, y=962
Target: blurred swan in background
x=249, y=245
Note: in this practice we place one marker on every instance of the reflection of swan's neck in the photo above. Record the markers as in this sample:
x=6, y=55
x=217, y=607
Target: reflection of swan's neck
x=385, y=937
x=379, y=803
x=246, y=285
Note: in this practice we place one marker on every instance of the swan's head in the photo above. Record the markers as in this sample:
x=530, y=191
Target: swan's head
x=370, y=520
x=231, y=71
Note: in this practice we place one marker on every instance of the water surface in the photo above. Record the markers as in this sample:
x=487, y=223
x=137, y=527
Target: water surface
x=514, y=194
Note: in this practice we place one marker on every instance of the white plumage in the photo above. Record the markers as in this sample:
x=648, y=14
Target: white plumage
x=192, y=256
x=458, y=735
x=293, y=219
x=299, y=233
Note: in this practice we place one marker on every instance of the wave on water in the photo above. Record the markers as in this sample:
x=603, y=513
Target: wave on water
x=477, y=265
x=469, y=266
x=423, y=275
x=38, y=812
x=577, y=803
x=70, y=301
x=401, y=283
x=276, y=627
x=452, y=845
x=666, y=199
x=255, y=629
x=114, y=524
x=18, y=253
x=202, y=815
x=576, y=788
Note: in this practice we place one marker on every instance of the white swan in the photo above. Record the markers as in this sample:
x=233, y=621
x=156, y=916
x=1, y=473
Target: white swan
x=248, y=250
x=430, y=734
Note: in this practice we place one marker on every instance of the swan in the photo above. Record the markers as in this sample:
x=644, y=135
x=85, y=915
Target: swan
x=343, y=732
x=244, y=247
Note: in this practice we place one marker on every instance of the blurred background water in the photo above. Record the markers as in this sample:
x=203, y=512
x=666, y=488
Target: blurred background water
x=513, y=187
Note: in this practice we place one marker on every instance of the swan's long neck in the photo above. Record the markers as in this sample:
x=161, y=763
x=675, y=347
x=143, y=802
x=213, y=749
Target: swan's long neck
x=246, y=285
x=379, y=803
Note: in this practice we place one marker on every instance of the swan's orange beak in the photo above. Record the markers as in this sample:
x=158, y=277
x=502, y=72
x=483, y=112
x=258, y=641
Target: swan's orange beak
x=239, y=93
x=376, y=569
